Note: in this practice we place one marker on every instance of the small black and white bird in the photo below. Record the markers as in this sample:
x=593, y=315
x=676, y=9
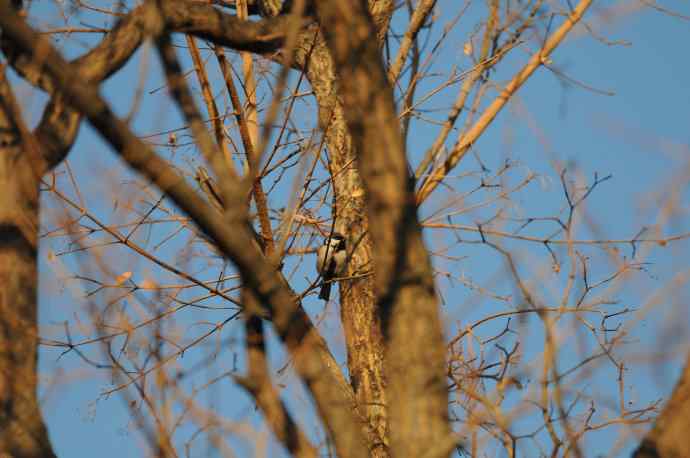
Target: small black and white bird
x=331, y=258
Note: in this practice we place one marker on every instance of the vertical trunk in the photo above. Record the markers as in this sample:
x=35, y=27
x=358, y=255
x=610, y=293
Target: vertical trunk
x=22, y=431
x=358, y=307
x=417, y=409
x=359, y=316
x=361, y=325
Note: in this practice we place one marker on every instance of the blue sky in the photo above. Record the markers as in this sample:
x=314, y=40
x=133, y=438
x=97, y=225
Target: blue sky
x=639, y=135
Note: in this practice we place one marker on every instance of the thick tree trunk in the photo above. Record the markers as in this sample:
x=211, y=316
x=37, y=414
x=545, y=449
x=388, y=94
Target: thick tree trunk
x=407, y=306
x=358, y=307
x=22, y=431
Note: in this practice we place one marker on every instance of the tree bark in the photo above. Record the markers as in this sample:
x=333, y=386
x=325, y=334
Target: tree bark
x=416, y=392
x=358, y=306
x=22, y=431
x=360, y=321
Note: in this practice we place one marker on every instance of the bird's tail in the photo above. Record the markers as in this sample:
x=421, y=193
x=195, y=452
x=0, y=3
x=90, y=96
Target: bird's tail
x=325, y=293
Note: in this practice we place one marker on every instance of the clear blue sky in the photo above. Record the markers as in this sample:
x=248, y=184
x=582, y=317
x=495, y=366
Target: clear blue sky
x=640, y=135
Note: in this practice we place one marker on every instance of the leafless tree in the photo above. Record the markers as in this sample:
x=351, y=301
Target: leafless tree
x=295, y=123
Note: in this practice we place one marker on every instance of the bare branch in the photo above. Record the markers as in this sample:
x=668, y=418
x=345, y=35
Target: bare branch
x=468, y=139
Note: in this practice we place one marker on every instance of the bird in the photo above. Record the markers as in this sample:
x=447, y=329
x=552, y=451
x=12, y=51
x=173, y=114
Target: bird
x=331, y=260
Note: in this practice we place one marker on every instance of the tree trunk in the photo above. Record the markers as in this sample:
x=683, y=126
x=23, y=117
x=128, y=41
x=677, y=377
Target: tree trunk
x=22, y=431
x=358, y=308
x=407, y=306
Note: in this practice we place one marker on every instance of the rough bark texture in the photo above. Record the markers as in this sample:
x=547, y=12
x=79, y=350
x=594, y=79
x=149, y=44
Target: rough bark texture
x=669, y=436
x=360, y=321
x=22, y=431
x=406, y=300
x=358, y=307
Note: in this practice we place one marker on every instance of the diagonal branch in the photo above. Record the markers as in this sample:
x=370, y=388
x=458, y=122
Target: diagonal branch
x=259, y=384
x=211, y=106
x=473, y=76
x=59, y=124
x=421, y=13
x=204, y=21
x=465, y=143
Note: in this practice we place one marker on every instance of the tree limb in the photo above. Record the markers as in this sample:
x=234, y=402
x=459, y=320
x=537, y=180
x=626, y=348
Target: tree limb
x=465, y=143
